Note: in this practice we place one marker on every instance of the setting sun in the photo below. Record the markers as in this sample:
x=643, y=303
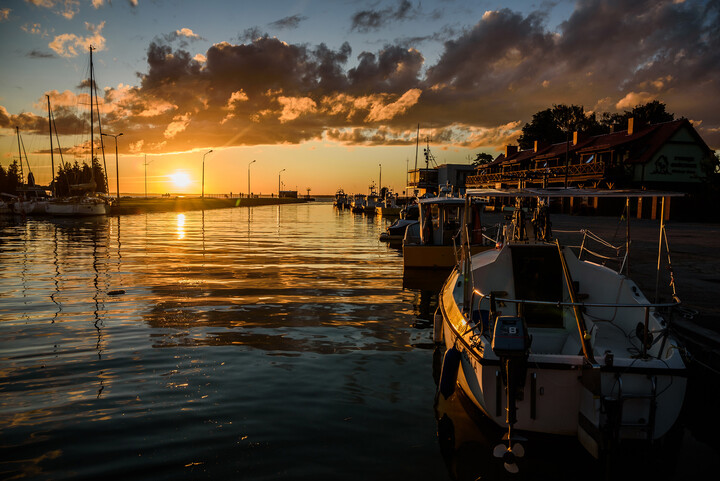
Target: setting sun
x=180, y=179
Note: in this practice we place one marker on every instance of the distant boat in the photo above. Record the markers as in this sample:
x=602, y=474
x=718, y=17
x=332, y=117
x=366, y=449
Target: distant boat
x=341, y=200
x=85, y=202
x=357, y=206
x=388, y=207
x=434, y=242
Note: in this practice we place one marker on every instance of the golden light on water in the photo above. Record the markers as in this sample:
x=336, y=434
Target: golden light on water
x=181, y=226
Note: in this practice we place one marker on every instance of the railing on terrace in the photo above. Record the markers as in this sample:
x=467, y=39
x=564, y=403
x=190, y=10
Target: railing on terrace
x=574, y=170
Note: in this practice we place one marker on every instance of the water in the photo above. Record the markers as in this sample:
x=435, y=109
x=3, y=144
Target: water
x=261, y=343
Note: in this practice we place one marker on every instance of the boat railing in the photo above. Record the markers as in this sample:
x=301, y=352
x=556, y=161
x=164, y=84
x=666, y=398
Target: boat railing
x=647, y=340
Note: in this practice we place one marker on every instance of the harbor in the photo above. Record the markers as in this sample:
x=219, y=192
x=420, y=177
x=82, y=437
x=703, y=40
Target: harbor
x=124, y=323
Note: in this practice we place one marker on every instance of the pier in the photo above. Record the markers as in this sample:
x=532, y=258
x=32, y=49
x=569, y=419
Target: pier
x=181, y=204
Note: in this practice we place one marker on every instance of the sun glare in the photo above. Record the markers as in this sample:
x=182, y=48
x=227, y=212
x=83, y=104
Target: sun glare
x=180, y=179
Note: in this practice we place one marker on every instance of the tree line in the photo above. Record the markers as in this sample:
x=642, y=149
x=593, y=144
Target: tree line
x=557, y=124
x=68, y=175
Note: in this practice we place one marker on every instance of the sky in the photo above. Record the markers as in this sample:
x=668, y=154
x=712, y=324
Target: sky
x=329, y=94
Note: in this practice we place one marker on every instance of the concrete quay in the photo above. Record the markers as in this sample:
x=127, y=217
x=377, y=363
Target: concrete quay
x=182, y=204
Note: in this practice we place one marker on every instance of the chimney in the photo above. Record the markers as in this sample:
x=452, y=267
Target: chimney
x=631, y=125
x=539, y=145
x=510, y=150
x=577, y=137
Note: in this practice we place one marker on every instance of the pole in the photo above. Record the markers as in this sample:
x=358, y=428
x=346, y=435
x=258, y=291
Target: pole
x=249, y=178
x=660, y=241
x=279, y=182
x=117, y=170
x=146, y=164
x=380, y=183
x=202, y=195
x=52, y=159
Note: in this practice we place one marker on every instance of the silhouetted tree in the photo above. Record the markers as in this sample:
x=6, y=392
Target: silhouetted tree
x=481, y=159
x=557, y=124
x=650, y=113
x=10, y=178
x=73, y=175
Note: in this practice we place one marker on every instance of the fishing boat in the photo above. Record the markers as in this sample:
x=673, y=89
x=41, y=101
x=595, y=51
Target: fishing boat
x=434, y=242
x=5, y=208
x=388, y=207
x=395, y=232
x=82, y=199
x=544, y=341
x=341, y=199
x=371, y=201
x=357, y=206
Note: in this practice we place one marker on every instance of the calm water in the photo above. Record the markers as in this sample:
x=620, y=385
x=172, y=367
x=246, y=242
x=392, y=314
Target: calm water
x=263, y=343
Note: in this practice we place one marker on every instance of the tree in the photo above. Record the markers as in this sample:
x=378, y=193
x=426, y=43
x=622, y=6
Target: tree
x=74, y=175
x=481, y=159
x=10, y=178
x=650, y=113
x=557, y=124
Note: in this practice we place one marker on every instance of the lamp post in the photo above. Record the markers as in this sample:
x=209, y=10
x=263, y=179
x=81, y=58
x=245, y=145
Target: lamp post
x=250, y=163
x=146, y=164
x=380, y=183
x=117, y=171
x=279, y=182
x=203, y=174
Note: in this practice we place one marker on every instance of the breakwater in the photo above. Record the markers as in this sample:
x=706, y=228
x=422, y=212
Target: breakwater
x=181, y=204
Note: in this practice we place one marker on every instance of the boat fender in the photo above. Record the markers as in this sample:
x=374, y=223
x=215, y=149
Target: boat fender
x=437, y=327
x=448, y=374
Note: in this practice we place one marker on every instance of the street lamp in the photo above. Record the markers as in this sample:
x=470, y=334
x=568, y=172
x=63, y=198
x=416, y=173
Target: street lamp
x=249, y=177
x=279, y=181
x=203, y=174
x=117, y=171
x=146, y=164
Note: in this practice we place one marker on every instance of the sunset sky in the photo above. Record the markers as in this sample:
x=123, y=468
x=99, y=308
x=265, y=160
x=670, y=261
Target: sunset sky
x=330, y=90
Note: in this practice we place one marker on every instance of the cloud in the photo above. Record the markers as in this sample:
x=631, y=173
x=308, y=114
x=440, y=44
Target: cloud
x=34, y=53
x=369, y=20
x=488, y=81
x=71, y=45
x=288, y=23
x=65, y=8
x=4, y=14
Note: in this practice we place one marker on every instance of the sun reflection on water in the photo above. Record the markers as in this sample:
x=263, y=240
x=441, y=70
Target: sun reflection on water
x=181, y=226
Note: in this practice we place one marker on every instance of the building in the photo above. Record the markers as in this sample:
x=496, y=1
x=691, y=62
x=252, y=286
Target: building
x=669, y=155
x=429, y=180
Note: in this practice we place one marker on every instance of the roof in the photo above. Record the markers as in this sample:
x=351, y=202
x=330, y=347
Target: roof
x=571, y=192
x=642, y=144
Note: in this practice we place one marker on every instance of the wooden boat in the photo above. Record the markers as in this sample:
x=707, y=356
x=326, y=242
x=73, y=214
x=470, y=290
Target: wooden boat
x=434, y=242
x=544, y=342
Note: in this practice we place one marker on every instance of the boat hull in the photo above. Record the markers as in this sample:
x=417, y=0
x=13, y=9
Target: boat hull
x=433, y=257
x=76, y=209
x=562, y=393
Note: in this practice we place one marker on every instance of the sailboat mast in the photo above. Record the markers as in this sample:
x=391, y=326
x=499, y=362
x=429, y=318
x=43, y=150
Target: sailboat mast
x=52, y=159
x=92, y=133
x=22, y=174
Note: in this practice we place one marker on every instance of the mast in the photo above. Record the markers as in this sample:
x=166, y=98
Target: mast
x=22, y=174
x=92, y=133
x=52, y=159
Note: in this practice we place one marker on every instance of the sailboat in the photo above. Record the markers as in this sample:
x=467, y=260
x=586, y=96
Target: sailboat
x=84, y=202
x=31, y=198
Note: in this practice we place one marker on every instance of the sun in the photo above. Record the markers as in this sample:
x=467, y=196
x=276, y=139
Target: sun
x=180, y=179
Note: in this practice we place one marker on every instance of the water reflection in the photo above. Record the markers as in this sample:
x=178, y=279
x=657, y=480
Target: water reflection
x=181, y=226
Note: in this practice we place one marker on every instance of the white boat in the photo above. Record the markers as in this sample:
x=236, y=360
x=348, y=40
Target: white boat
x=77, y=206
x=544, y=342
x=388, y=207
x=434, y=241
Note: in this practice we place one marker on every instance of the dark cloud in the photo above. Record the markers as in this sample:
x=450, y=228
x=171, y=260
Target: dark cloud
x=39, y=54
x=489, y=80
x=369, y=20
x=288, y=23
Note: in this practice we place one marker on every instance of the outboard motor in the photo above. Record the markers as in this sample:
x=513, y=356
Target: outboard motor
x=511, y=343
